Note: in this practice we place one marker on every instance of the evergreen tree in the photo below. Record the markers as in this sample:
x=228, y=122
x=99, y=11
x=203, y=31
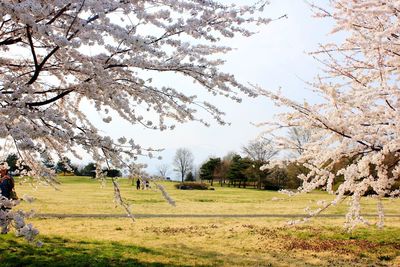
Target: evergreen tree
x=189, y=177
x=207, y=170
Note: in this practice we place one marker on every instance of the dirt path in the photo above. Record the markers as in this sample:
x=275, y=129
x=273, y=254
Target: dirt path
x=100, y=216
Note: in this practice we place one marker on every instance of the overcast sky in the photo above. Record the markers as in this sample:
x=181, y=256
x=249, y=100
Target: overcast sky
x=275, y=57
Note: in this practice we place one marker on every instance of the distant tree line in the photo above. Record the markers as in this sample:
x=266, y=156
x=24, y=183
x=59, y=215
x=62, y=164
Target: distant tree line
x=242, y=172
x=64, y=167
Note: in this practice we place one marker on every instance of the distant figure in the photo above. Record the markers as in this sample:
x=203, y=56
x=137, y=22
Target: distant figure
x=147, y=184
x=138, y=184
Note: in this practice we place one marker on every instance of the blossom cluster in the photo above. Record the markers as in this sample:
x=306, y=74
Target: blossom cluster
x=16, y=219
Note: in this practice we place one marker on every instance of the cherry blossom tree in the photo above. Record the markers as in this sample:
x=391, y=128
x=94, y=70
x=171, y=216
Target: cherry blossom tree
x=57, y=56
x=357, y=119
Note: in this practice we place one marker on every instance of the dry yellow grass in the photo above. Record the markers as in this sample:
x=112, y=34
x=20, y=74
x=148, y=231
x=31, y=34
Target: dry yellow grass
x=234, y=242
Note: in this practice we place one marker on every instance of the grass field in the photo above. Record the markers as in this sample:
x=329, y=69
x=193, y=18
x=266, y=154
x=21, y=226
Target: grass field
x=195, y=241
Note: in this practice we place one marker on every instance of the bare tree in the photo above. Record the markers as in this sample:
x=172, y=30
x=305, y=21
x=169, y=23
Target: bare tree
x=229, y=156
x=260, y=150
x=221, y=171
x=299, y=137
x=183, y=162
x=163, y=170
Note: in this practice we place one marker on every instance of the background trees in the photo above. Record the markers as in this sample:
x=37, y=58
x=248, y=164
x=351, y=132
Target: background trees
x=113, y=173
x=12, y=160
x=222, y=169
x=183, y=162
x=236, y=170
x=15, y=165
x=89, y=169
x=163, y=170
x=261, y=149
x=63, y=165
x=209, y=168
x=189, y=177
x=244, y=171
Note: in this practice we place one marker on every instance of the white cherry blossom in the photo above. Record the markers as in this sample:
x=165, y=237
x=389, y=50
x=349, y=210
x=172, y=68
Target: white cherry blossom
x=355, y=128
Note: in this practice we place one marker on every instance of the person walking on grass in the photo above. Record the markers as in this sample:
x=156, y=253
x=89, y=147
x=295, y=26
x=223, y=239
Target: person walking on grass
x=138, y=184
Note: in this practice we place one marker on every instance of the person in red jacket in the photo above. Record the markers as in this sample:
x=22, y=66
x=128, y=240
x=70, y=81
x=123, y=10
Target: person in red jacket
x=6, y=182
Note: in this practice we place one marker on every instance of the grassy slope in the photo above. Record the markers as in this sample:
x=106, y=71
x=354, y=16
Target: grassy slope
x=188, y=241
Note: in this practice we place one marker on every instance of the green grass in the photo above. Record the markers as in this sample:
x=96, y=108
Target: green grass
x=59, y=251
x=85, y=195
x=195, y=241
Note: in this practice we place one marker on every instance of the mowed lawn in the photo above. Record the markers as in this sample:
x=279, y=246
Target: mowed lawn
x=195, y=241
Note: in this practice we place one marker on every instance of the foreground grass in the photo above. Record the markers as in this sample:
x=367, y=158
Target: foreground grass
x=196, y=242
x=59, y=251
x=201, y=242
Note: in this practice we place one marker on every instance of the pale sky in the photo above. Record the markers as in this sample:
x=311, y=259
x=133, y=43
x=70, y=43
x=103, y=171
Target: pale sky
x=275, y=57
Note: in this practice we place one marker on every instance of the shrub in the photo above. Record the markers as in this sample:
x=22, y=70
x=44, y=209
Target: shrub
x=192, y=186
x=271, y=186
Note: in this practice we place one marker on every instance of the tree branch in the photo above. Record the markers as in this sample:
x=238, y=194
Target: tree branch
x=28, y=33
x=48, y=101
x=10, y=41
x=59, y=13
